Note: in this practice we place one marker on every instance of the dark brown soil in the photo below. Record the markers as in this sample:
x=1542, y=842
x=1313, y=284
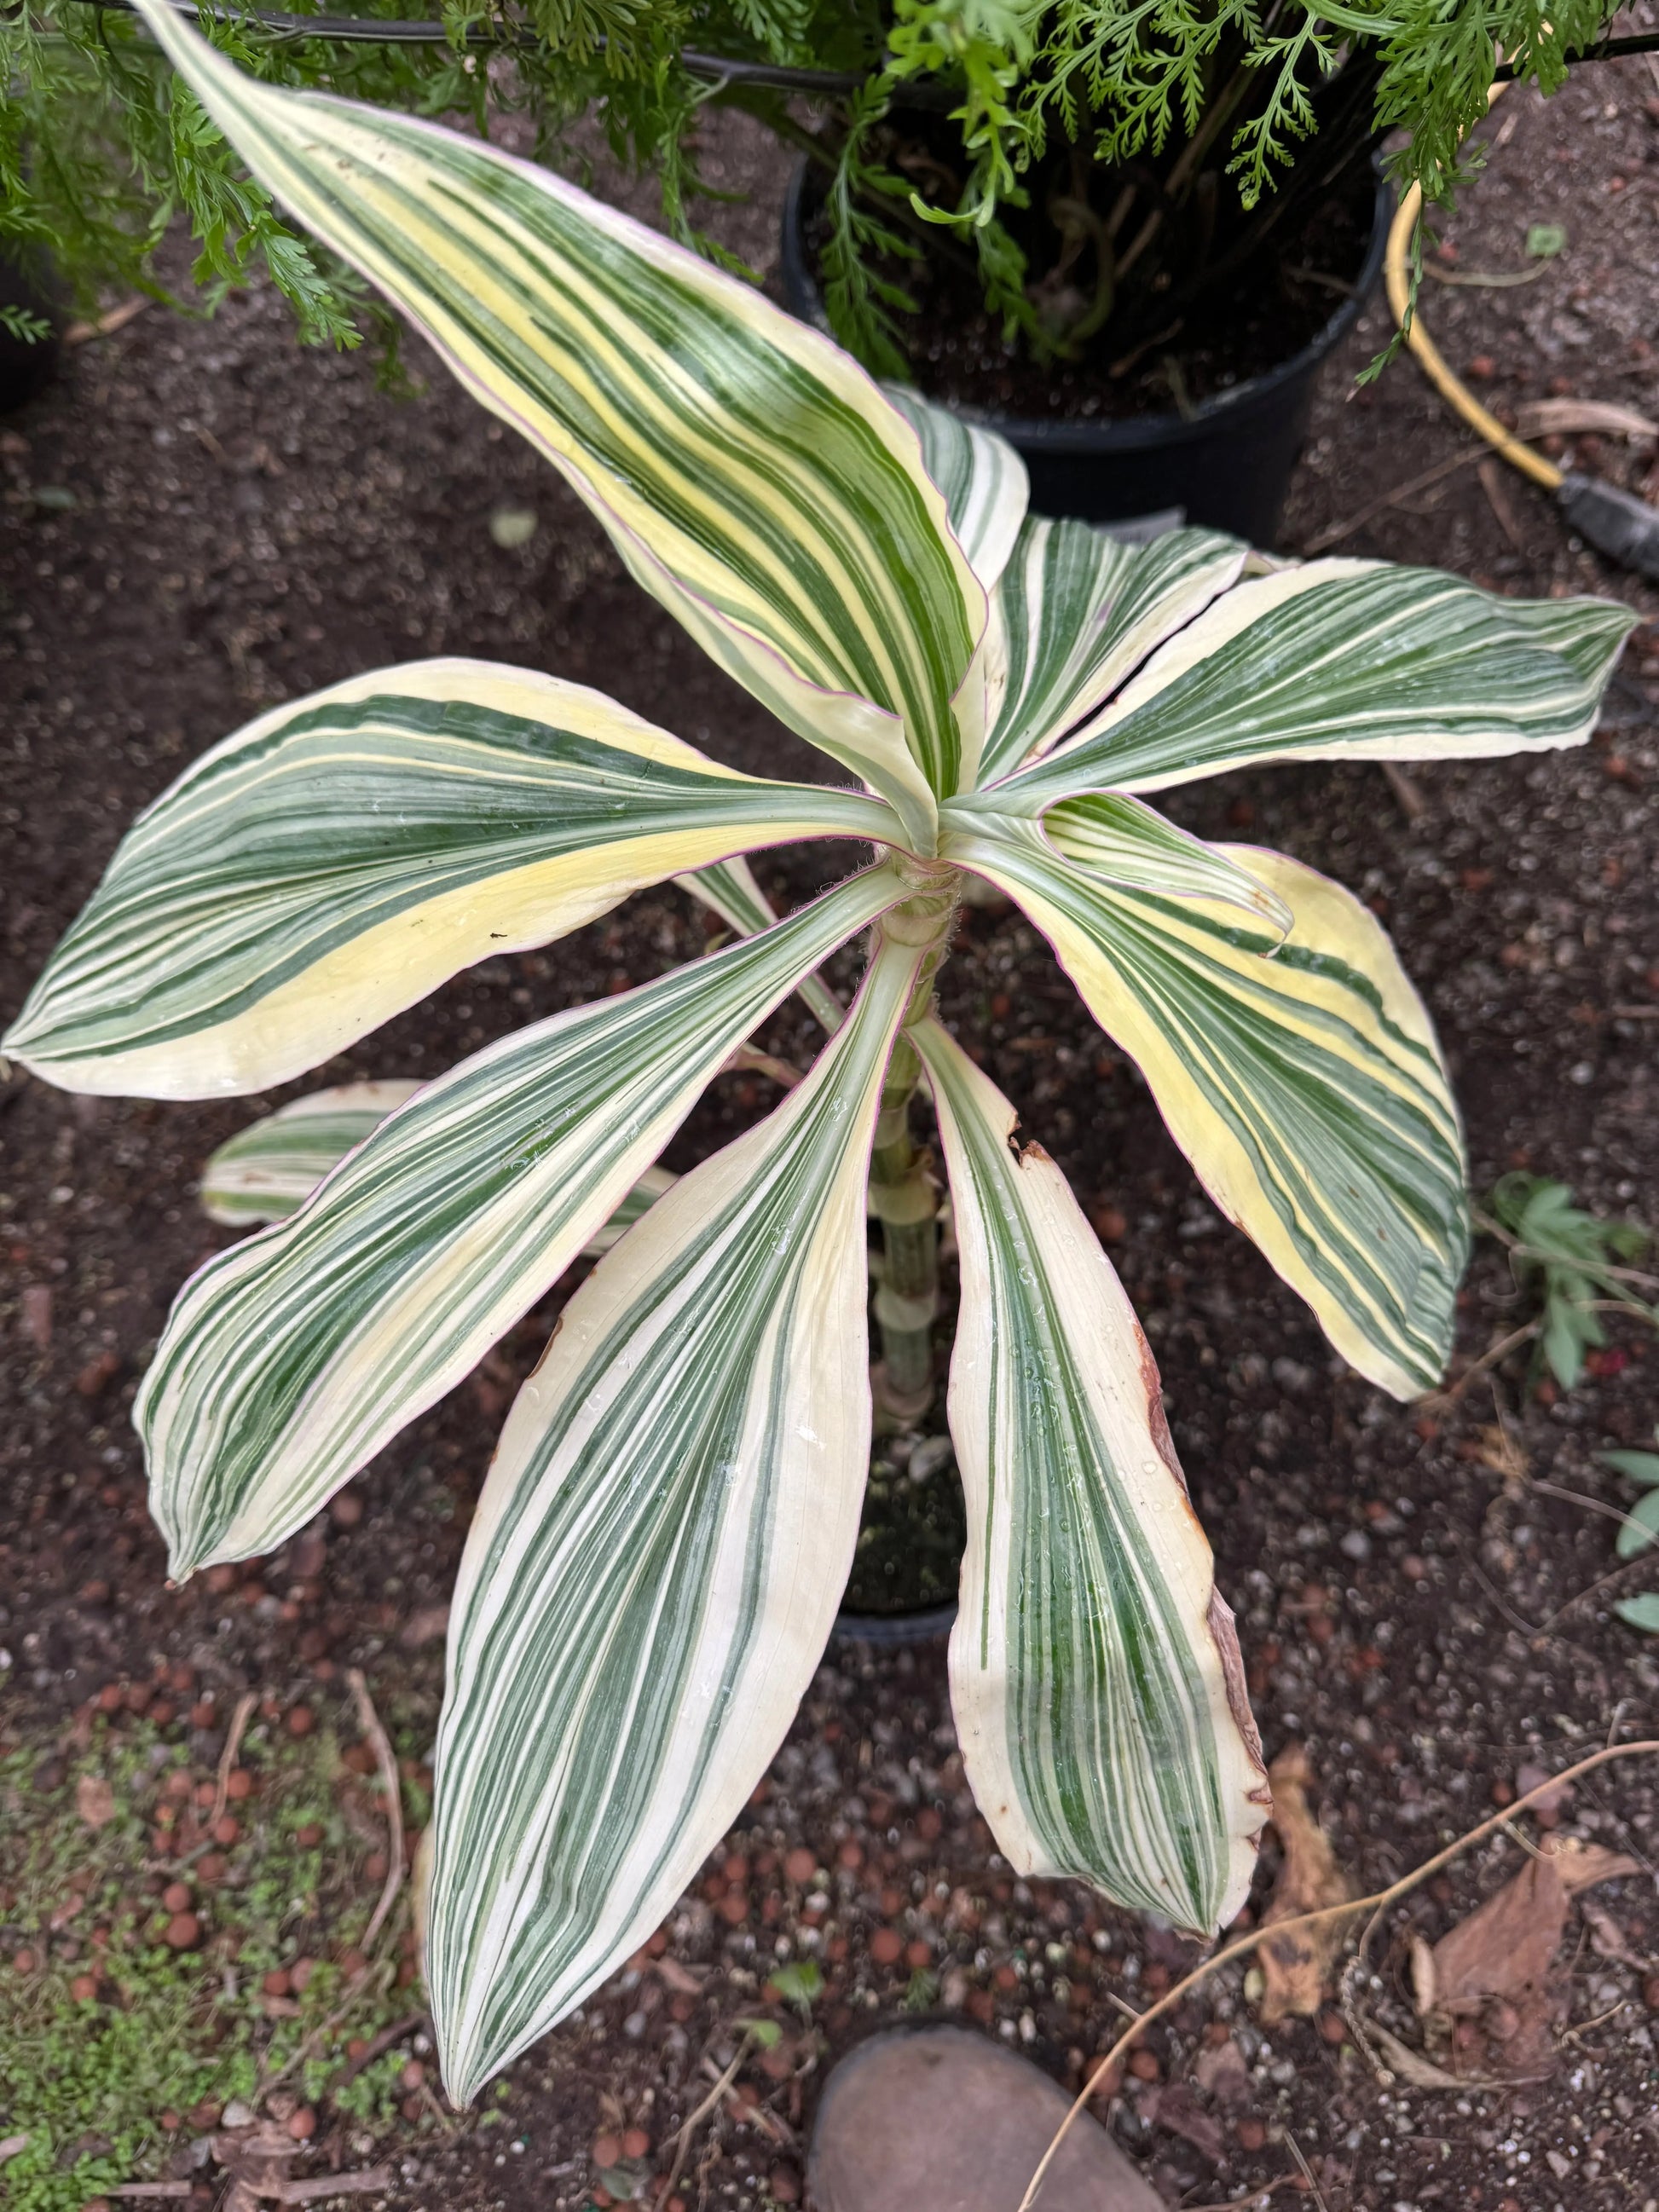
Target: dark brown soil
x=200, y=521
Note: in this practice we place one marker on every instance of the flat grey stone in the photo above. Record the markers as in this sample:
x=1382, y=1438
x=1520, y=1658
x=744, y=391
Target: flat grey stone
x=939, y=2119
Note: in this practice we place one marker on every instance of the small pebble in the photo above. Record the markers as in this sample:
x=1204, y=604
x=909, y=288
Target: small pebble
x=302, y=2124
x=183, y=1932
x=886, y=1947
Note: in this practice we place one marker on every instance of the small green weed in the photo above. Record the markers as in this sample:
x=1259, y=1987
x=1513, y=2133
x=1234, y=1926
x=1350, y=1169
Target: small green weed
x=151, y=1971
x=1640, y=1530
x=1574, y=1264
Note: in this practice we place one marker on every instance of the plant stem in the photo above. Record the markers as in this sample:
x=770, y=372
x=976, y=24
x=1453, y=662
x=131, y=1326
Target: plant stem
x=903, y=1189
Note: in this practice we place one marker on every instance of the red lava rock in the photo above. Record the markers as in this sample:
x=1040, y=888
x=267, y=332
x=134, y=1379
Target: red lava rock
x=929, y=1826
x=109, y=1698
x=785, y=2184
x=278, y=1983
x=309, y=1836
x=347, y=1509
x=1108, y=2081
x=851, y=1856
x=918, y=1955
x=1413, y=1568
x=212, y=1866
x=982, y=2007
x=412, y=2074
x=226, y=1829
x=1111, y=1223
x=239, y=1785
x=886, y=1947
x=23, y=1960
x=204, y=1713
x=681, y=2008
x=359, y=1757
x=800, y=1866
x=636, y=2143
x=299, y=1974
x=183, y=1932
x=1144, y=2064
x=412, y=2108
x=303, y=2125
x=84, y=1988
x=605, y=2151
x=1252, y=2133
x=1005, y=1978
x=733, y=1907
x=375, y=1865
x=177, y=1897
x=301, y=1720
x=170, y=2123
x=1482, y=369
x=353, y=1965
x=893, y=1902
x=735, y=1869
x=1332, y=2027
x=223, y=1578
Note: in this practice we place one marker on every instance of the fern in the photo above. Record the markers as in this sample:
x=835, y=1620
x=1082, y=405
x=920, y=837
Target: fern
x=98, y=155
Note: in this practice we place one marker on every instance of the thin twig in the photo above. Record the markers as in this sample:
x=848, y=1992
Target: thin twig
x=1603, y=1269
x=238, y=1721
x=370, y=1722
x=1338, y=531
x=1489, y=1358
x=1412, y=804
x=682, y=2135
x=373, y=2181
x=1314, y=2188
x=1374, y=1903
x=1593, y=1504
x=382, y=2043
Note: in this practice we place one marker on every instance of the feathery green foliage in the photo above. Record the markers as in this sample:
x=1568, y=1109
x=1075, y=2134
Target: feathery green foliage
x=100, y=150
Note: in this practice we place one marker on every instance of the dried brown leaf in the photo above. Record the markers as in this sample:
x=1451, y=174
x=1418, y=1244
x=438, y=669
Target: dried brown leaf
x=1297, y=1967
x=1220, y=2071
x=1567, y=418
x=94, y=1801
x=1580, y=1865
x=1505, y=1948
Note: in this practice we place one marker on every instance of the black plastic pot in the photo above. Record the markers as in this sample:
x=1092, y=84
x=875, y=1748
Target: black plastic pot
x=1227, y=463
x=25, y=368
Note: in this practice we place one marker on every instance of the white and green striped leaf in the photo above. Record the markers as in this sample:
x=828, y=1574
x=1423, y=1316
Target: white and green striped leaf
x=656, y=1560
x=333, y=862
x=1343, y=660
x=1122, y=841
x=1075, y=613
x=983, y=479
x=1300, y=1075
x=1095, y=1673
x=288, y=1360
x=268, y=1170
x=753, y=478
x=729, y=889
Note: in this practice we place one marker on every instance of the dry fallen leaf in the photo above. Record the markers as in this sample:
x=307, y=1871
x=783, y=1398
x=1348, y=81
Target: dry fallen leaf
x=1582, y=1866
x=94, y=1801
x=1538, y=418
x=1220, y=2071
x=1495, y=1971
x=1295, y=1968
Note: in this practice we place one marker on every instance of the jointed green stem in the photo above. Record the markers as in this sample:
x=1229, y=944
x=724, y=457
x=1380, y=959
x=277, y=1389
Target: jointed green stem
x=903, y=1192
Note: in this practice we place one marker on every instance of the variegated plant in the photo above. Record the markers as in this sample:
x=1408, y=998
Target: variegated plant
x=671, y=1514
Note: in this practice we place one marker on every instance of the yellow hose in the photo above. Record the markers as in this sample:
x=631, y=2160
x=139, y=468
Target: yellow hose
x=1434, y=367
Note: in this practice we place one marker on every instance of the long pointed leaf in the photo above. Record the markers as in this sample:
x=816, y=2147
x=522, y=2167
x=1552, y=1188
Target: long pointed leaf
x=333, y=862
x=268, y=1170
x=290, y=1360
x=1344, y=660
x=1095, y=1673
x=1301, y=1077
x=1076, y=612
x=753, y=477
x=656, y=1560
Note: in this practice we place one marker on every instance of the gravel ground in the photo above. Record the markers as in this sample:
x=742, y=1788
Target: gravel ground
x=200, y=520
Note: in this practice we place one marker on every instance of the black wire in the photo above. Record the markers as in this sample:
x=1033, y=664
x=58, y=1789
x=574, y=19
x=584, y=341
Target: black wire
x=716, y=69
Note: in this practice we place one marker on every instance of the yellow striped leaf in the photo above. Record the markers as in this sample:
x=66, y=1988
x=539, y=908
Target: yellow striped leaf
x=288, y=1361
x=752, y=476
x=1300, y=1075
x=335, y=860
x=268, y=1170
x=1095, y=1673
x=656, y=1560
x=1343, y=660
x=1075, y=613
